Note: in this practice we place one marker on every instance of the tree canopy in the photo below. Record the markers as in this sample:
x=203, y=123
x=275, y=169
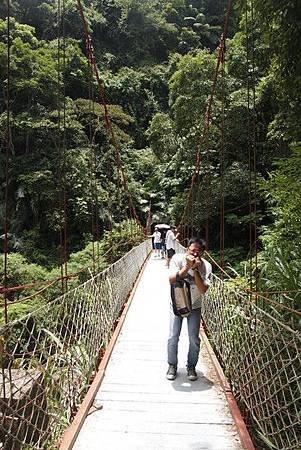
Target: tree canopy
x=156, y=61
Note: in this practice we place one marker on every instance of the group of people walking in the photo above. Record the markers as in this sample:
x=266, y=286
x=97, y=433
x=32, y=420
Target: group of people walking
x=164, y=243
x=193, y=269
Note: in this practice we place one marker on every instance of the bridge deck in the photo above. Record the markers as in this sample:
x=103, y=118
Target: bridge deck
x=140, y=408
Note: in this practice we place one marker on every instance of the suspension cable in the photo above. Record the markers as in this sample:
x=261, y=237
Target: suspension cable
x=222, y=174
x=61, y=105
x=92, y=165
x=7, y=155
x=207, y=117
x=251, y=105
x=254, y=146
x=108, y=122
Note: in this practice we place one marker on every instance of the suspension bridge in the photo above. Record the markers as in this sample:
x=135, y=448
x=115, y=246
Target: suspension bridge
x=87, y=370
x=50, y=357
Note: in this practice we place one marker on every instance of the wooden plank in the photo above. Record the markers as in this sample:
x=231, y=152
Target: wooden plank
x=153, y=441
x=69, y=437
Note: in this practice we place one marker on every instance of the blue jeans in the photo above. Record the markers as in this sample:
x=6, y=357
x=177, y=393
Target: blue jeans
x=193, y=325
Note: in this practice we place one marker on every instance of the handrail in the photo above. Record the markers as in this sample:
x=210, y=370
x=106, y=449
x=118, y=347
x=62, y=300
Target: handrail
x=49, y=357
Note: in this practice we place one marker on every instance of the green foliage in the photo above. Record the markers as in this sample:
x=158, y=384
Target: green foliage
x=281, y=271
x=189, y=88
x=17, y=310
x=162, y=137
x=21, y=272
x=156, y=61
x=280, y=23
x=141, y=92
x=282, y=255
x=283, y=194
x=87, y=261
x=121, y=239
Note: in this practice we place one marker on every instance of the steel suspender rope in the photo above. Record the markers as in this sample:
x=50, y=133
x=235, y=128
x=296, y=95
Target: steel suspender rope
x=106, y=113
x=222, y=174
x=207, y=121
x=7, y=155
x=61, y=104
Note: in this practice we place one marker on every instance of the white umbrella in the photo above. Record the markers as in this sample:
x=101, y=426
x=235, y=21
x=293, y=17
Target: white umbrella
x=162, y=225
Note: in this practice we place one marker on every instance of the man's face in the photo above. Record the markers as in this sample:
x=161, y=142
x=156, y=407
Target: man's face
x=194, y=250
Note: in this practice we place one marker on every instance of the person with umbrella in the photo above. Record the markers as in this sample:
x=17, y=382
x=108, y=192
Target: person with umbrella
x=157, y=242
x=163, y=227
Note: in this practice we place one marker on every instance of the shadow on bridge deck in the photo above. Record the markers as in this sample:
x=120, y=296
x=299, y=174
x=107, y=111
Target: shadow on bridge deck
x=136, y=407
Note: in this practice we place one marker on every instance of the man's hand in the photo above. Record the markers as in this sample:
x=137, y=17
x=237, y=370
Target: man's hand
x=192, y=262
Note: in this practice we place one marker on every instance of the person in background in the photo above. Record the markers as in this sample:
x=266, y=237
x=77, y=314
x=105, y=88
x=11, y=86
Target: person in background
x=197, y=272
x=170, y=240
x=157, y=242
x=163, y=244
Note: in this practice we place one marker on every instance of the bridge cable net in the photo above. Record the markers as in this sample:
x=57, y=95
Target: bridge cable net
x=260, y=351
x=261, y=356
x=256, y=335
x=49, y=357
x=122, y=183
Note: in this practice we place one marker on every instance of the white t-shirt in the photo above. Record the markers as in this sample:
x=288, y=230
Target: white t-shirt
x=170, y=240
x=157, y=237
x=177, y=262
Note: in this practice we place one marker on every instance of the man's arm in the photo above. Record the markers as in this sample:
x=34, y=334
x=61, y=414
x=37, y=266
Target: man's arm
x=182, y=274
x=190, y=262
x=201, y=284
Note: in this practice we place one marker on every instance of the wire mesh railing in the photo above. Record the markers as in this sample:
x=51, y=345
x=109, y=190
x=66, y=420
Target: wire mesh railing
x=49, y=357
x=261, y=356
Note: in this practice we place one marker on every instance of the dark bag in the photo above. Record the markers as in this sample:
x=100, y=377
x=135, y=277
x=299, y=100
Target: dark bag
x=181, y=297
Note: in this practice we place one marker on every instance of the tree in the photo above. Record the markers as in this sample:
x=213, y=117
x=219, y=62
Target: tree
x=281, y=266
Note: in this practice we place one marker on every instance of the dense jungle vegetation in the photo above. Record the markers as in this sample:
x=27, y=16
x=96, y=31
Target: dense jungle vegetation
x=156, y=60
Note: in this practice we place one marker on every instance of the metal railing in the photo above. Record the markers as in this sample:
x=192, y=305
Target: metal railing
x=261, y=356
x=49, y=357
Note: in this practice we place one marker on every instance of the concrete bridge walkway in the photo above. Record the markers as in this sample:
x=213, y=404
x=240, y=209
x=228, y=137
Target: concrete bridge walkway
x=136, y=407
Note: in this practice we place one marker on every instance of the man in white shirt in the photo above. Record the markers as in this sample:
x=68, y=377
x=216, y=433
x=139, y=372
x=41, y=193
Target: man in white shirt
x=157, y=242
x=197, y=272
x=170, y=240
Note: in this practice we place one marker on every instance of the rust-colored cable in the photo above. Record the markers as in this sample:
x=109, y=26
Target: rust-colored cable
x=95, y=190
x=65, y=230
x=257, y=294
x=249, y=147
x=20, y=287
x=95, y=187
x=108, y=122
x=61, y=105
x=254, y=147
x=251, y=132
x=7, y=153
x=7, y=289
x=208, y=193
x=208, y=113
x=222, y=173
x=92, y=167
